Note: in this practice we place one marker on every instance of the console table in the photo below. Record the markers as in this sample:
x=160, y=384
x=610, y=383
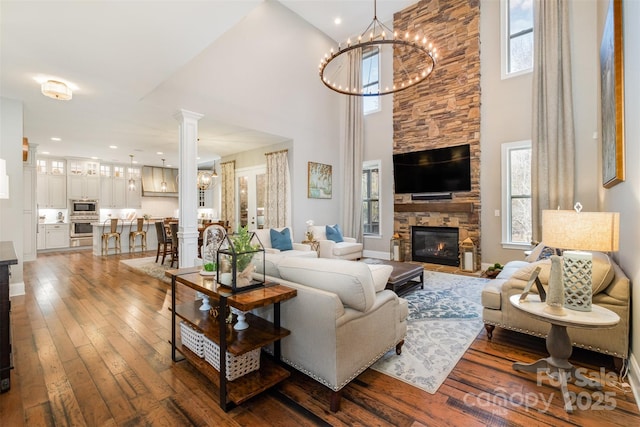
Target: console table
x=259, y=334
x=558, y=341
x=7, y=258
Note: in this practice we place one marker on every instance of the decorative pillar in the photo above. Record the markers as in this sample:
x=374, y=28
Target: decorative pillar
x=188, y=191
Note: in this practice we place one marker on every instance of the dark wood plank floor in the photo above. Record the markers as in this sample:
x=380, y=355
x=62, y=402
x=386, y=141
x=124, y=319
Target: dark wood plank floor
x=90, y=340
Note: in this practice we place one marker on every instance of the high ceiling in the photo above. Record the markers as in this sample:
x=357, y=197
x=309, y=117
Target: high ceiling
x=117, y=55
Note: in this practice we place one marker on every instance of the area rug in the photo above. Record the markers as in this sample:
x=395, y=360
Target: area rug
x=149, y=266
x=444, y=319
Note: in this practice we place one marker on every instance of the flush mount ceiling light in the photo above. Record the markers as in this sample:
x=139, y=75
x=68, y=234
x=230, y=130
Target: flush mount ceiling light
x=414, y=59
x=56, y=90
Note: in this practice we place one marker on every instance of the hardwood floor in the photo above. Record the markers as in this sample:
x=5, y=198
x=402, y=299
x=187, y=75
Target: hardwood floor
x=90, y=342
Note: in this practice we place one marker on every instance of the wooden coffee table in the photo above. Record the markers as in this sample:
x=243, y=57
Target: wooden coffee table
x=404, y=276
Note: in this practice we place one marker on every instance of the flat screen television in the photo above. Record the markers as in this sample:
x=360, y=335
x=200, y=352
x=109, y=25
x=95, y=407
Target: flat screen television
x=438, y=170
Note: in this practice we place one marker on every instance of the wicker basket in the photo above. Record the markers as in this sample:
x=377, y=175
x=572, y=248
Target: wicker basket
x=192, y=339
x=236, y=366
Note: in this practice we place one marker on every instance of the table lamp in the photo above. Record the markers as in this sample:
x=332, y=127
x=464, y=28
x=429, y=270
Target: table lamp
x=576, y=231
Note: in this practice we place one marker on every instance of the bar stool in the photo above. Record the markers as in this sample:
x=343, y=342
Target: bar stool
x=111, y=230
x=174, y=243
x=140, y=230
x=164, y=243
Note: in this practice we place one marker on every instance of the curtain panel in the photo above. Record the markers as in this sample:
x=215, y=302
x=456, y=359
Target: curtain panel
x=278, y=191
x=552, y=142
x=228, y=196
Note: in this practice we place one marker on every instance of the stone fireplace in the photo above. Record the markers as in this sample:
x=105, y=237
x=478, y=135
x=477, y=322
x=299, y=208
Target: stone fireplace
x=435, y=245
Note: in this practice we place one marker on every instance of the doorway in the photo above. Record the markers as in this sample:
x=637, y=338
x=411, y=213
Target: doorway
x=251, y=192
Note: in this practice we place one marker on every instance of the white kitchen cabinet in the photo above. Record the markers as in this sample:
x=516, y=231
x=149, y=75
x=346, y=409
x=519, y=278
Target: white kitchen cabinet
x=41, y=241
x=52, y=191
x=83, y=187
x=56, y=236
x=113, y=187
x=51, y=184
x=134, y=197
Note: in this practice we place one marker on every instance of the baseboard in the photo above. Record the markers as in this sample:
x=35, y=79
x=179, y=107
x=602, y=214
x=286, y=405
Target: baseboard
x=634, y=378
x=375, y=254
x=16, y=289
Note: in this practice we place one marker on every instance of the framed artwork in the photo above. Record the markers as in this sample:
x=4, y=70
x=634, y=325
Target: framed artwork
x=534, y=279
x=612, y=97
x=319, y=181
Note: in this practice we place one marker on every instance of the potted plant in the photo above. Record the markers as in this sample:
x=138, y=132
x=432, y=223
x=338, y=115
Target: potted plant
x=237, y=258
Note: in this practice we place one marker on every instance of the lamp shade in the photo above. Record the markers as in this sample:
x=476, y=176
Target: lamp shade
x=585, y=231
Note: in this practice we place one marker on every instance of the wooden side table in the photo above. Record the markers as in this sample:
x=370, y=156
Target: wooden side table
x=558, y=341
x=315, y=245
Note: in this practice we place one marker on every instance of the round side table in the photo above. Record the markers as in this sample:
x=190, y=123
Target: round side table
x=558, y=341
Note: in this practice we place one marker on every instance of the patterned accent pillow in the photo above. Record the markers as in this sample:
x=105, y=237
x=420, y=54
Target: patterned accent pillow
x=334, y=233
x=281, y=240
x=547, y=252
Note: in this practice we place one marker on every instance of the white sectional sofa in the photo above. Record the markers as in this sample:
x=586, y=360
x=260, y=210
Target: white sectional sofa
x=341, y=321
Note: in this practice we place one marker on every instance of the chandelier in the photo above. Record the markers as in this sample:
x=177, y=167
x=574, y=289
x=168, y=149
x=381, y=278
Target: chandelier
x=205, y=178
x=414, y=59
x=132, y=182
x=56, y=90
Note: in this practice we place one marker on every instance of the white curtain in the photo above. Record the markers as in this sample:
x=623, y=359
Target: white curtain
x=228, y=196
x=552, y=166
x=353, y=153
x=278, y=191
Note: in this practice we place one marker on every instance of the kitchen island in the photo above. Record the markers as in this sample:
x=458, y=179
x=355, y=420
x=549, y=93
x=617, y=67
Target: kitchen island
x=99, y=228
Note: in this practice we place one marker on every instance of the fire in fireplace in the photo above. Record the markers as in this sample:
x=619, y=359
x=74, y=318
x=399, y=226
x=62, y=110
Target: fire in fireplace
x=436, y=245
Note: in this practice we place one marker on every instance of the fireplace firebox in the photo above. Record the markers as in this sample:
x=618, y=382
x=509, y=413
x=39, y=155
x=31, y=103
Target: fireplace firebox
x=435, y=245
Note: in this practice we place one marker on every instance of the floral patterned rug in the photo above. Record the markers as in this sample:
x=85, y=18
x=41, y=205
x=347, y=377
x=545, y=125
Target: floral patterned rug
x=444, y=319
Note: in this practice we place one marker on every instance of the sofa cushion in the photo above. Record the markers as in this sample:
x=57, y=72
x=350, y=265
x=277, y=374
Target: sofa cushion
x=380, y=274
x=334, y=233
x=281, y=240
x=351, y=281
x=272, y=259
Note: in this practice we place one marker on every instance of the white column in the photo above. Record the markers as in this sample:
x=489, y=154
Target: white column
x=188, y=194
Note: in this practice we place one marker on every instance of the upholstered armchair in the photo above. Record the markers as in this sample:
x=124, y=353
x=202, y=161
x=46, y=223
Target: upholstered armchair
x=332, y=244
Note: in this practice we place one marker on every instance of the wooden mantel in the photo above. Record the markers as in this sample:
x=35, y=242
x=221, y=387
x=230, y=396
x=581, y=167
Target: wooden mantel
x=434, y=207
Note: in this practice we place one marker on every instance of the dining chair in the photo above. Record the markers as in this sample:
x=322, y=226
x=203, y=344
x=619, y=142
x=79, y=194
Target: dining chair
x=164, y=243
x=174, y=243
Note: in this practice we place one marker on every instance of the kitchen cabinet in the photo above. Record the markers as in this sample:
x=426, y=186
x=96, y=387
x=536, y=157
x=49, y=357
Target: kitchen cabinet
x=134, y=197
x=41, y=242
x=51, y=183
x=83, y=187
x=56, y=236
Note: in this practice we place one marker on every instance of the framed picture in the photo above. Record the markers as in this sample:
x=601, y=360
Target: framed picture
x=319, y=181
x=612, y=93
x=534, y=279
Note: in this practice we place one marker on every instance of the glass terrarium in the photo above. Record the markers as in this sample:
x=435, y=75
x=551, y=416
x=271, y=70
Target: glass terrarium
x=240, y=260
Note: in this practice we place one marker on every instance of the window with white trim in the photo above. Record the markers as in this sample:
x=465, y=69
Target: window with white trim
x=517, y=37
x=371, y=79
x=371, y=198
x=516, y=193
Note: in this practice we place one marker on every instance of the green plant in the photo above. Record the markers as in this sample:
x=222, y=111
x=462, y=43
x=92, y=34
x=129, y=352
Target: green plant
x=210, y=266
x=496, y=266
x=243, y=247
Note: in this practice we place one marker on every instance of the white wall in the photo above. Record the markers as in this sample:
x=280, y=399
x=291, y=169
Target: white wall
x=506, y=116
x=625, y=197
x=11, y=209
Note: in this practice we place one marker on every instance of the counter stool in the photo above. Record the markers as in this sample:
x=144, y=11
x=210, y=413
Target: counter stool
x=164, y=243
x=141, y=227
x=111, y=229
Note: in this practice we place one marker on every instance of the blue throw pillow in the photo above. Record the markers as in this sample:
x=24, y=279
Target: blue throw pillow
x=281, y=239
x=334, y=233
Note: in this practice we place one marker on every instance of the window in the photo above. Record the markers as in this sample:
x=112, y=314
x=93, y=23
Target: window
x=370, y=79
x=371, y=198
x=516, y=194
x=517, y=37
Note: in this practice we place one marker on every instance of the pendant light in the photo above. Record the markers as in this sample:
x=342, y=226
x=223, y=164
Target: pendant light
x=163, y=184
x=132, y=182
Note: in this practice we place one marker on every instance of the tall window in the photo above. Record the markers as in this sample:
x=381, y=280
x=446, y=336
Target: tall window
x=517, y=37
x=516, y=194
x=370, y=79
x=371, y=198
